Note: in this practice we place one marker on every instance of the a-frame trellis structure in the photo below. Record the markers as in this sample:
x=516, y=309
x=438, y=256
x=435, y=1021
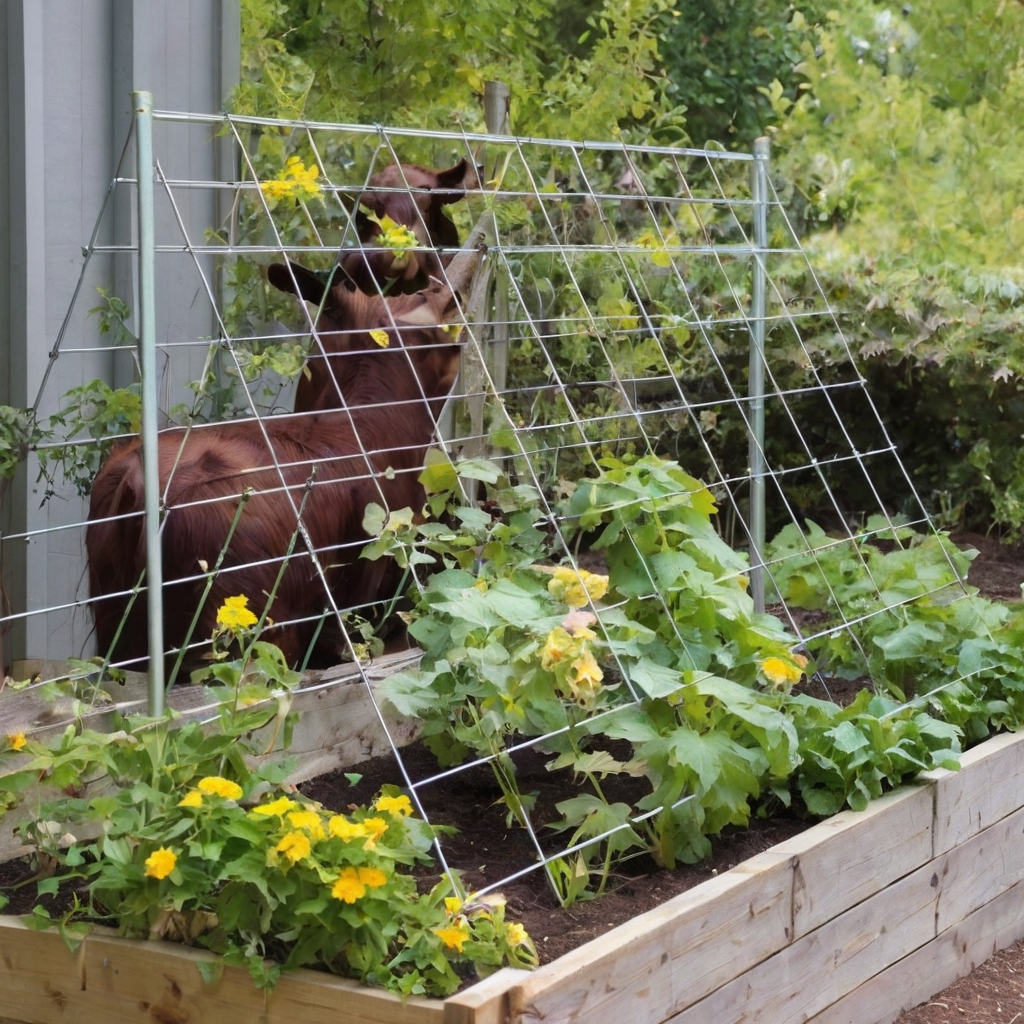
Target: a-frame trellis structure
x=642, y=300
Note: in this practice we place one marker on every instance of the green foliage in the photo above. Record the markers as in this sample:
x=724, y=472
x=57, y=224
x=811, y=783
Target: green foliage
x=103, y=414
x=720, y=53
x=899, y=160
x=19, y=432
x=409, y=64
x=699, y=684
x=903, y=619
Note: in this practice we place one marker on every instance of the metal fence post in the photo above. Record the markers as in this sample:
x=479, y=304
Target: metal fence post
x=142, y=103
x=496, y=109
x=756, y=381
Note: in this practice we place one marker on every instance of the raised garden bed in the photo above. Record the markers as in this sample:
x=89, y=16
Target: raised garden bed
x=855, y=919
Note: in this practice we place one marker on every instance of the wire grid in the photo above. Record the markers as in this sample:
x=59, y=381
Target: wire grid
x=622, y=323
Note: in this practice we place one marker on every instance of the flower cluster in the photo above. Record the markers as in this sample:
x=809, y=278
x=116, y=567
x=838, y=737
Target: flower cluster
x=465, y=918
x=297, y=182
x=342, y=873
x=577, y=587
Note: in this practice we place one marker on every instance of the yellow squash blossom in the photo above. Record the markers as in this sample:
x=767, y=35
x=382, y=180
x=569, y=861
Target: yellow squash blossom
x=294, y=846
x=234, y=613
x=341, y=828
x=516, y=934
x=783, y=673
x=577, y=587
x=16, y=741
x=193, y=798
x=308, y=821
x=454, y=937
x=585, y=677
x=396, y=806
x=452, y=904
x=559, y=646
x=280, y=807
x=347, y=887
x=217, y=786
x=160, y=863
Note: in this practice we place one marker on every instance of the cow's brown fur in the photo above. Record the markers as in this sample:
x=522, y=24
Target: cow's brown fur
x=370, y=451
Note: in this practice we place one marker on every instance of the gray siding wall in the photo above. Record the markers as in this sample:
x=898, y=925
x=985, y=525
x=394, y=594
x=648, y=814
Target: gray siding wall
x=67, y=70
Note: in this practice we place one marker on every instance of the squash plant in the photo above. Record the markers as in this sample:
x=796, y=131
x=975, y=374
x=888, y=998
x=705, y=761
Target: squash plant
x=666, y=654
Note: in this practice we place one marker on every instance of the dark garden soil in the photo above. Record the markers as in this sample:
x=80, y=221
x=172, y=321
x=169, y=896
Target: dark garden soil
x=487, y=848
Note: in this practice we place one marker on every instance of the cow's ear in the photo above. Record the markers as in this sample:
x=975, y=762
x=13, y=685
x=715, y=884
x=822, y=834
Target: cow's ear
x=452, y=183
x=297, y=280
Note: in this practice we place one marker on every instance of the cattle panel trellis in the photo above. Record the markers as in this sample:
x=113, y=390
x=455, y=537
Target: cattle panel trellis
x=632, y=302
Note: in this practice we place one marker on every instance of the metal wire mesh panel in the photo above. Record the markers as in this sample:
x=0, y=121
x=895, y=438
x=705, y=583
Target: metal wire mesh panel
x=643, y=387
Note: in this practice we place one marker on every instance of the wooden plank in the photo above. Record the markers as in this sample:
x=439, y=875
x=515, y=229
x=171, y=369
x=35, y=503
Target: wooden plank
x=340, y=720
x=486, y=1002
x=979, y=870
x=867, y=850
x=116, y=981
x=140, y=982
x=41, y=979
x=987, y=788
x=820, y=968
x=928, y=970
x=671, y=956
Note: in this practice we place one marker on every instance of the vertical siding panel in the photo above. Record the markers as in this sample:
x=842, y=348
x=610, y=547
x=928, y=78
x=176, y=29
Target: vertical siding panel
x=66, y=75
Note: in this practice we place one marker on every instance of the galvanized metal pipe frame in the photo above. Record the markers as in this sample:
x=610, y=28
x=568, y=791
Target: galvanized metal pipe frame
x=142, y=103
x=759, y=174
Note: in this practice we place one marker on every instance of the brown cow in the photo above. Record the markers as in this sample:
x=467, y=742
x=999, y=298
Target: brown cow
x=370, y=451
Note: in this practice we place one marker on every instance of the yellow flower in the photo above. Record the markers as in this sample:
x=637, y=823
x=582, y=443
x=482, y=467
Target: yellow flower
x=160, y=863
x=341, y=828
x=454, y=937
x=396, y=237
x=220, y=787
x=380, y=337
x=294, y=846
x=279, y=807
x=577, y=587
x=234, y=613
x=348, y=888
x=452, y=904
x=516, y=934
x=17, y=740
x=372, y=878
x=193, y=798
x=585, y=678
x=309, y=821
x=783, y=673
x=396, y=806
x=375, y=827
